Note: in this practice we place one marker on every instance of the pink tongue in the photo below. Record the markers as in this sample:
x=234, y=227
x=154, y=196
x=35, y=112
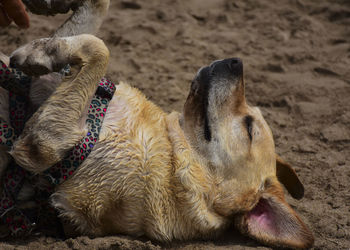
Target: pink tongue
x=262, y=217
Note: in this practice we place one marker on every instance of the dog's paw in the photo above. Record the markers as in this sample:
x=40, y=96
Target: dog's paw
x=37, y=58
x=51, y=7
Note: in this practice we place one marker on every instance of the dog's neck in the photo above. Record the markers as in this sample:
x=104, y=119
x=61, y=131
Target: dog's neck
x=193, y=182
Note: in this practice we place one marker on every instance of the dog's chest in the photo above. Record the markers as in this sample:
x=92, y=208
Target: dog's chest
x=130, y=166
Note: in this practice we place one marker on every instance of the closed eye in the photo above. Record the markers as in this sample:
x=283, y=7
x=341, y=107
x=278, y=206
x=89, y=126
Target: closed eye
x=248, y=122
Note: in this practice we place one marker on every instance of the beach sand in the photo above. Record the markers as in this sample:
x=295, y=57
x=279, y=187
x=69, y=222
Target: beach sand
x=296, y=56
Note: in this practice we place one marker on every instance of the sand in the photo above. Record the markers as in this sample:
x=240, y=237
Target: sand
x=296, y=56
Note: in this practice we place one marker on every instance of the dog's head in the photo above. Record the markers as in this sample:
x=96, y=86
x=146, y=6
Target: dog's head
x=236, y=145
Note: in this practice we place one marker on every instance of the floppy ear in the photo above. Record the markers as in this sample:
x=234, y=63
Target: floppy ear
x=287, y=176
x=273, y=222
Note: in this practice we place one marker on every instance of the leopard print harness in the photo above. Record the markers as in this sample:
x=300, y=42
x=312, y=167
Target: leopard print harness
x=21, y=221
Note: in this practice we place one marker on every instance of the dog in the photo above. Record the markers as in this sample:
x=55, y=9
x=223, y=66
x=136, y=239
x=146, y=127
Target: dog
x=164, y=176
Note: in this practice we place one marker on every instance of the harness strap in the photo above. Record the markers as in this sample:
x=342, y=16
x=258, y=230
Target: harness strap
x=15, y=219
x=14, y=80
x=96, y=113
x=7, y=134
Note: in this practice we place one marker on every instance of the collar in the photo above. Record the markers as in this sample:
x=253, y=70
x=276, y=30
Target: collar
x=96, y=113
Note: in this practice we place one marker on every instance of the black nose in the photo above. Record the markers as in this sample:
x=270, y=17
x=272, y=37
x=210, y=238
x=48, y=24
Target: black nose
x=226, y=67
x=235, y=65
x=230, y=70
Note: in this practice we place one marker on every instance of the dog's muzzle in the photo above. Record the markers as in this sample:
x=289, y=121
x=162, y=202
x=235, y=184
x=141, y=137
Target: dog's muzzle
x=227, y=69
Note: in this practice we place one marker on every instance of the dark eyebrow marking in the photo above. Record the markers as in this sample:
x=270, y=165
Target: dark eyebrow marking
x=248, y=120
x=207, y=132
x=205, y=80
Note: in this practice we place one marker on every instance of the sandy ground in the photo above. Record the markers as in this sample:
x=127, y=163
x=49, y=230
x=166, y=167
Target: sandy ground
x=297, y=57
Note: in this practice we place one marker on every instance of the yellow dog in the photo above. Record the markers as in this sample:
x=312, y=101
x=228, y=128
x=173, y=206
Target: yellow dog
x=165, y=176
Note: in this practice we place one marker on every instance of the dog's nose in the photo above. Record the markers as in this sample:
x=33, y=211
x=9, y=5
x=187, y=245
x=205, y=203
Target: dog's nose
x=230, y=70
x=235, y=65
x=227, y=67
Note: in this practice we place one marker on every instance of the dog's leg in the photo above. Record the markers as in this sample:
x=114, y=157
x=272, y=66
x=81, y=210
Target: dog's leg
x=86, y=19
x=54, y=128
x=4, y=58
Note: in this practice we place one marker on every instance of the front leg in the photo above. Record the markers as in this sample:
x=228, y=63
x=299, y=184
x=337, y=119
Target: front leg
x=87, y=15
x=56, y=127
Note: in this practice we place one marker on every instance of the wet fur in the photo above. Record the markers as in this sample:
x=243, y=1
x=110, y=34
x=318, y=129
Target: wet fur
x=152, y=173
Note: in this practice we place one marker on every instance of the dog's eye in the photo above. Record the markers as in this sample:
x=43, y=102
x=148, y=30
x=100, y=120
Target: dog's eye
x=248, y=120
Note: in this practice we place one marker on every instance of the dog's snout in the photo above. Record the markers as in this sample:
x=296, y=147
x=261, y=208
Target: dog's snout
x=235, y=65
x=230, y=70
x=231, y=67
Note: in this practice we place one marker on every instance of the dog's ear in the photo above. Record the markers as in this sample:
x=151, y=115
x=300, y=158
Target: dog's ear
x=287, y=176
x=273, y=222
